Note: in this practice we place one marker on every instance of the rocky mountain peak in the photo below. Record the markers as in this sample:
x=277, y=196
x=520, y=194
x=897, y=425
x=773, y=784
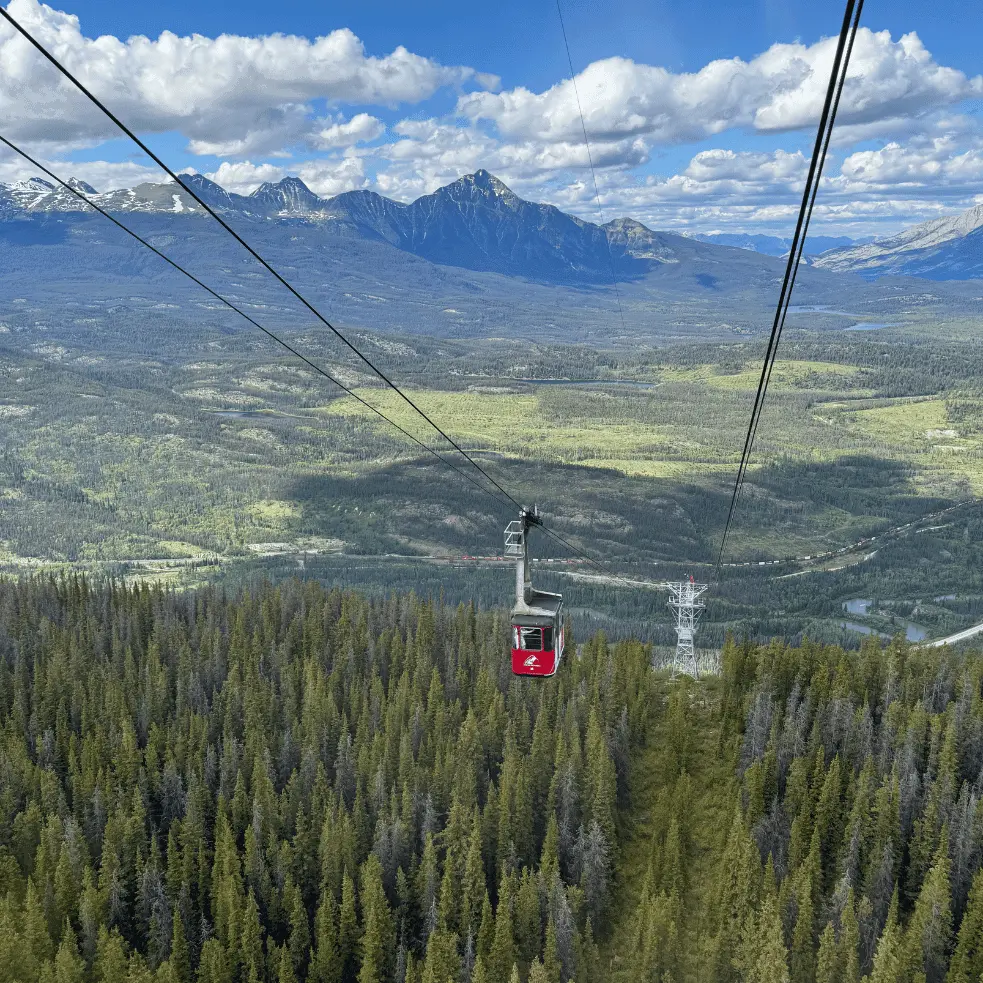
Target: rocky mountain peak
x=83, y=186
x=289, y=195
x=35, y=184
x=482, y=183
x=626, y=225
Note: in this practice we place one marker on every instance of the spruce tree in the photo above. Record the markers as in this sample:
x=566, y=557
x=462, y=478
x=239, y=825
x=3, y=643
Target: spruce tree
x=69, y=966
x=180, y=959
x=930, y=927
x=503, y=950
x=828, y=966
x=213, y=967
x=110, y=965
x=890, y=961
x=299, y=942
x=967, y=960
x=285, y=966
x=348, y=929
x=326, y=958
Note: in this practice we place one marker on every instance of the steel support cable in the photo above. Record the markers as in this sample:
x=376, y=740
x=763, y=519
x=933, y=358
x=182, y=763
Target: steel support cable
x=228, y=303
x=586, y=556
x=590, y=161
x=800, y=244
x=791, y=269
x=245, y=245
x=844, y=47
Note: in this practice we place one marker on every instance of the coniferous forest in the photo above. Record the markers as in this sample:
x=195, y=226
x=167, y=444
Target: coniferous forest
x=298, y=783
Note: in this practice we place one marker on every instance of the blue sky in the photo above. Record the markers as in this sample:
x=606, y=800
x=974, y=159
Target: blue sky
x=683, y=139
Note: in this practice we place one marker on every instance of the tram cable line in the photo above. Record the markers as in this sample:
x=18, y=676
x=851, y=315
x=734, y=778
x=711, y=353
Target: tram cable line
x=228, y=303
x=590, y=161
x=252, y=251
x=800, y=242
x=844, y=48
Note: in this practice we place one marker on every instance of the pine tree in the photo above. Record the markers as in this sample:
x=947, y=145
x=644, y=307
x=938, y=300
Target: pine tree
x=828, y=967
x=930, y=927
x=967, y=960
x=503, y=950
x=213, y=966
x=348, y=931
x=326, y=959
x=180, y=959
x=69, y=967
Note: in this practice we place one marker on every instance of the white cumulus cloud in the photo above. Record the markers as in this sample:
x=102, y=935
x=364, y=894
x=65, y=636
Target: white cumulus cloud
x=781, y=89
x=231, y=94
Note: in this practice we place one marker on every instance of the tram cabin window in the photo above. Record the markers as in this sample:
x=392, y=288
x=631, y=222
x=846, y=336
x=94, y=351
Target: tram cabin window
x=531, y=639
x=548, y=639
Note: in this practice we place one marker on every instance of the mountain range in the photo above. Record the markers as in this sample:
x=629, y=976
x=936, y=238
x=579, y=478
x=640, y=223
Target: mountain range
x=777, y=245
x=478, y=223
x=473, y=259
x=948, y=248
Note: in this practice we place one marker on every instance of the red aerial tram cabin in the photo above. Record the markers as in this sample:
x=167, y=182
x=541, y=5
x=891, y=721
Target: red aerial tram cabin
x=537, y=617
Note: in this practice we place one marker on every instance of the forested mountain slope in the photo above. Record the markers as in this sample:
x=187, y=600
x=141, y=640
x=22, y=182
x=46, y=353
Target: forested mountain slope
x=853, y=845
x=301, y=784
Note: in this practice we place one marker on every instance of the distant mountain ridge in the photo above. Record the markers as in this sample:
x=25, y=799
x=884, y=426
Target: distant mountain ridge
x=948, y=248
x=476, y=222
x=776, y=245
x=479, y=223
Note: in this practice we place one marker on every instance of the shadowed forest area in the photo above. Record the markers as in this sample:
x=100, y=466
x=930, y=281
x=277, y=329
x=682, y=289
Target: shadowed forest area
x=294, y=783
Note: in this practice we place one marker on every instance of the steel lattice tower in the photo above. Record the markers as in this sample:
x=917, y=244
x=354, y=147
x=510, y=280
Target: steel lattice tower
x=685, y=601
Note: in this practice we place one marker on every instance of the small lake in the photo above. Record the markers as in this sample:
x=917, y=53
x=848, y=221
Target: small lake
x=857, y=606
x=863, y=629
x=869, y=326
x=861, y=606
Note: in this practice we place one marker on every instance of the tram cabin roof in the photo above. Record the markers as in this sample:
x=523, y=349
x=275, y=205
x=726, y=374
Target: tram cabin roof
x=541, y=609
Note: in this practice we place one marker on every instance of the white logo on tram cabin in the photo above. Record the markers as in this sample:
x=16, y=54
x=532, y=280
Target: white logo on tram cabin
x=531, y=662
